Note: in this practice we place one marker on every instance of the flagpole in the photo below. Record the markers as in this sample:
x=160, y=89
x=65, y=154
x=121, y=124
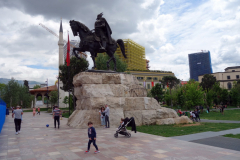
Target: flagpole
x=68, y=64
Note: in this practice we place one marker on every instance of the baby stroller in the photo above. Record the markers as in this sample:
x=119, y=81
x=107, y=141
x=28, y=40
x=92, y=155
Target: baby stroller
x=122, y=128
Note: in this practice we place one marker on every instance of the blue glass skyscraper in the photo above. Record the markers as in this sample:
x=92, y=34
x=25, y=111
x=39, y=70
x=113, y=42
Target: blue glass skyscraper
x=199, y=64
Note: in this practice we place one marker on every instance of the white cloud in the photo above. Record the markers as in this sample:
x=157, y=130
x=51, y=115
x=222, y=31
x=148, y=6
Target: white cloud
x=210, y=26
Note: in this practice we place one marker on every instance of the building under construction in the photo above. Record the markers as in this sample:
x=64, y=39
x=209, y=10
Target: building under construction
x=135, y=55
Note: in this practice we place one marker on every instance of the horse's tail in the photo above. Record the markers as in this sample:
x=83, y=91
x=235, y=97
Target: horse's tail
x=121, y=44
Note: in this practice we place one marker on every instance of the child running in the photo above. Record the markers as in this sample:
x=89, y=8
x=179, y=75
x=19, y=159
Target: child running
x=92, y=137
x=34, y=111
x=38, y=111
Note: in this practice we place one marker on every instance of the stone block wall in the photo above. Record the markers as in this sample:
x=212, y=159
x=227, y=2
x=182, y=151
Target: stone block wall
x=124, y=96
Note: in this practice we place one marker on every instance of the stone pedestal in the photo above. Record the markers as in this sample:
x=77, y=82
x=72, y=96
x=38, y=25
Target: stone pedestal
x=124, y=96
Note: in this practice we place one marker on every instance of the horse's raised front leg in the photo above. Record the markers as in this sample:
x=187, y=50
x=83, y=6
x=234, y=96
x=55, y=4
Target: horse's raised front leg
x=74, y=51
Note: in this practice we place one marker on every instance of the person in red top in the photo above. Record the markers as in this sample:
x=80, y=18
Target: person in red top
x=38, y=110
x=180, y=112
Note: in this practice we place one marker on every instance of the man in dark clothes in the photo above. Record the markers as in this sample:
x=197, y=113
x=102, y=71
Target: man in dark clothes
x=197, y=115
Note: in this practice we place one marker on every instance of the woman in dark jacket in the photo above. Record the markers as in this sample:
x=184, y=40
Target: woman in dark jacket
x=7, y=111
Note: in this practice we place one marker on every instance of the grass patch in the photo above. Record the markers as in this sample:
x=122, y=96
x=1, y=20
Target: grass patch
x=232, y=135
x=228, y=115
x=183, y=129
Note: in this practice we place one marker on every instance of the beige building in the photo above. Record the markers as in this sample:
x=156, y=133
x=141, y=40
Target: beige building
x=226, y=78
x=150, y=78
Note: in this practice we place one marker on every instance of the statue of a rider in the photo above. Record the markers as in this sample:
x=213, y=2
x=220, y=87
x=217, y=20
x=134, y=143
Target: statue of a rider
x=103, y=30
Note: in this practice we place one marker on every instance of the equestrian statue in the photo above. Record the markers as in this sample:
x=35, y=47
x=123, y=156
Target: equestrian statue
x=97, y=42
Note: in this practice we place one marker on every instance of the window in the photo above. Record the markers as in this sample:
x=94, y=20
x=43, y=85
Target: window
x=228, y=77
x=237, y=76
x=148, y=86
x=140, y=84
x=229, y=85
x=139, y=78
x=149, y=78
x=155, y=78
x=233, y=70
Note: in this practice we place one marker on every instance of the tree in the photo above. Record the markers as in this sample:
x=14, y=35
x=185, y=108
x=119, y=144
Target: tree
x=170, y=81
x=157, y=92
x=224, y=96
x=238, y=82
x=194, y=94
x=181, y=97
x=209, y=96
x=167, y=97
x=66, y=74
x=36, y=86
x=101, y=63
x=217, y=93
x=2, y=86
x=208, y=81
x=11, y=93
x=15, y=94
x=235, y=94
x=65, y=100
x=53, y=97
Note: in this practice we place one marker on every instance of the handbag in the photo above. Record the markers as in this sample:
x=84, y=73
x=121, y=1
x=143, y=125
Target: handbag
x=103, y=113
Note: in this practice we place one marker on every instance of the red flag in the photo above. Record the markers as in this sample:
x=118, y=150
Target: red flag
x=68, y=52
x=152, y=84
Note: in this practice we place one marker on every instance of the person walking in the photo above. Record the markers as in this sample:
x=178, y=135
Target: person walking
x=38, y=111
x=34, y=111
x=92, y=135
x=17, y=120
x=22, y=111
x=222, y=108
x=56, y=116
x=208, y=108
x=102, y=116
x=197, y=115
x=201, y=108
x=107, y=123
x=192, y=116
x=7, y=112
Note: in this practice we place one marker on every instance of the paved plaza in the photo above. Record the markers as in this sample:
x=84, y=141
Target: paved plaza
x=38, y=142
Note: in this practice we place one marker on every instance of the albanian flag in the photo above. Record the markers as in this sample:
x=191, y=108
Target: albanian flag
x=152, y=84
x=68, y=52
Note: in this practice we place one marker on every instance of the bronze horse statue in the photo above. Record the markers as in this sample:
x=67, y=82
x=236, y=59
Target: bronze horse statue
x=90, y=42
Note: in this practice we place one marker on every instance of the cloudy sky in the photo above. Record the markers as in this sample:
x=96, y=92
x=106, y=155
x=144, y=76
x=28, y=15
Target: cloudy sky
x=168, y=29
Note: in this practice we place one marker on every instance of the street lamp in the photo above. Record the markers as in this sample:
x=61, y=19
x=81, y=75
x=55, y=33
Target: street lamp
x=47, y=92
x=58, y=89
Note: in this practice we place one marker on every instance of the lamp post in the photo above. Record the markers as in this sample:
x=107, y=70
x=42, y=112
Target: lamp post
x=47, y=93
x=58, y=89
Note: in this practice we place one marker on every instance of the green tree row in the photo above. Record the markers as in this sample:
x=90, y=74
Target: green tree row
x=15, y=94
x=194, y=93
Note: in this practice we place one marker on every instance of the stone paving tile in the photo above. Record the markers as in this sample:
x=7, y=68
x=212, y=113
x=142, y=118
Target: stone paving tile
x=37, y=142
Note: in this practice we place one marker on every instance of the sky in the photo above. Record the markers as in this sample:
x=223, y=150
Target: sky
x=168, y=29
